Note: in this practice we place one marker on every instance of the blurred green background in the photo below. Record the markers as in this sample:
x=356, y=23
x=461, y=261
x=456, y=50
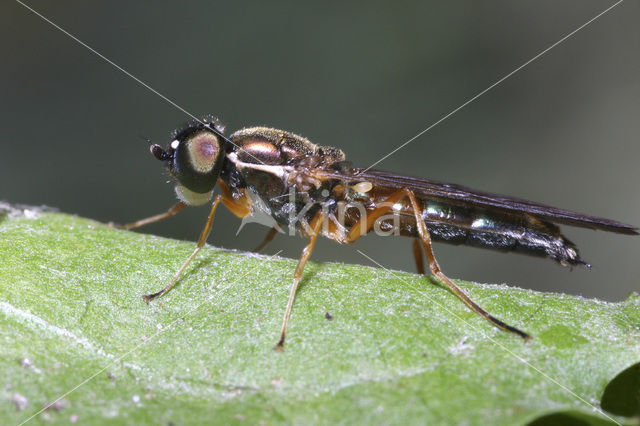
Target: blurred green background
x=365, y=77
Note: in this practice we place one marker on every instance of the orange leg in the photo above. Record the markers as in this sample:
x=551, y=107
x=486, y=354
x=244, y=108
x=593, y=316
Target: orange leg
x=272, y=233
x=224, y=187
x=363, y=226
x=315, y=225
x=201, y=241
x=240, y=207
x=435, y=270
x=417, y=255
x=171, y=212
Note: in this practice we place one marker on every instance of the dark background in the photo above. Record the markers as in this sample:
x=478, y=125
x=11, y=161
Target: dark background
x=364, y=77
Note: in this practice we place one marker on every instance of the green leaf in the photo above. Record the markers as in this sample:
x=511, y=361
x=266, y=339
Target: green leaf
x=397, y=349
x=622, y=394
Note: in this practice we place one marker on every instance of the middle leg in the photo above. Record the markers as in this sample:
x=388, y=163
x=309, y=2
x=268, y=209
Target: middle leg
x=315, y=225
x=272, y=233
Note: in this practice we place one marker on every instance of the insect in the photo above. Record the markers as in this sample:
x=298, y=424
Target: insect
x=313, y=191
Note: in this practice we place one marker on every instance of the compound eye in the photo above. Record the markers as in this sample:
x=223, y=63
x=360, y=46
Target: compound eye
x=197, y=160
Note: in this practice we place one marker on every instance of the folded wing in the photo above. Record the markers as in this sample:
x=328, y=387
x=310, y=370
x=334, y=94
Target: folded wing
x=461, y=195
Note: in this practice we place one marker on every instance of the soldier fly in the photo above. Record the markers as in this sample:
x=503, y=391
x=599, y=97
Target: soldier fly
x=314, y=190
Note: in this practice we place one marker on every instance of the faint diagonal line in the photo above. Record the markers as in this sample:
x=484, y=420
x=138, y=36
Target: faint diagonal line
x=495, y=342
x=493, y=85
x=127, y=73
x=94, y=51
x=138, y=346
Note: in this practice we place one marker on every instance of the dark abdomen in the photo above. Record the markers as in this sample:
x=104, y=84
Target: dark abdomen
x=479, y=228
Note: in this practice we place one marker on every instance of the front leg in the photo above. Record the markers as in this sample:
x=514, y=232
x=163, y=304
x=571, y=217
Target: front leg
x=231, y=205
x=177, y=208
